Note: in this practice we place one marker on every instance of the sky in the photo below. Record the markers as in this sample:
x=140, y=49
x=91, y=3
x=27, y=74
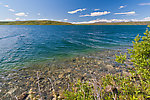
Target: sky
x=75, y=11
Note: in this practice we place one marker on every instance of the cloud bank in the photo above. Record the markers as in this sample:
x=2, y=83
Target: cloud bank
x=144, y=4
x=12, y=10
x=75, y=11
x=21, y=14
x=126, y=13
x=96, y=14
x=112, y=20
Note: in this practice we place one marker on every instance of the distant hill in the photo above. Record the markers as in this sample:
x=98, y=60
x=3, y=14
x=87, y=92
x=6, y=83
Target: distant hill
x=120, y=23
x=48, y=22
x=36, y=22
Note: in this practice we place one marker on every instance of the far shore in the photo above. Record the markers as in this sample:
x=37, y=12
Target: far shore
x=48, y=22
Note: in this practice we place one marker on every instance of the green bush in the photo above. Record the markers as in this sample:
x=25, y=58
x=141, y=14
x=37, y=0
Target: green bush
x=139, y=55
x=79, y=91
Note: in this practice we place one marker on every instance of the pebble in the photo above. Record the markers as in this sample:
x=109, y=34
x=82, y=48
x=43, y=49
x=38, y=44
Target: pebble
x=11, y=91
x=109, y=67
x=23, y=96
x=58, y=74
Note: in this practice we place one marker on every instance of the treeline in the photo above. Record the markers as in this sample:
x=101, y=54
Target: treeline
x=47, y=22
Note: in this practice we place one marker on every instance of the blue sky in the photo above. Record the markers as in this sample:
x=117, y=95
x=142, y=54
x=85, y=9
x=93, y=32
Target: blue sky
x=79, y=11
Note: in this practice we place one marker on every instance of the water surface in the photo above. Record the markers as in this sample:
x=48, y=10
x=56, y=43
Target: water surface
x=20, y=45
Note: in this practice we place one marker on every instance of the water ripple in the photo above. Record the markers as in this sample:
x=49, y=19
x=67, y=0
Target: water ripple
x=20, y=45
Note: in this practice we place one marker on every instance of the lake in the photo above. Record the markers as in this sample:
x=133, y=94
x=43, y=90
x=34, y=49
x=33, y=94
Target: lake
x=24, y=44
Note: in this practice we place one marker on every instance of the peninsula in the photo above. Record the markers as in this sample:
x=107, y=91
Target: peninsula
x=34, y=22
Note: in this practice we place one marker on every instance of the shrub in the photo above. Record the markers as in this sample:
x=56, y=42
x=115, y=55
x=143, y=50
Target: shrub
x=139, y=55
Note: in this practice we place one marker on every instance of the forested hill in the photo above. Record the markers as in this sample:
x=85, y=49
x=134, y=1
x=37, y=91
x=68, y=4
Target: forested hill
x=34, y=23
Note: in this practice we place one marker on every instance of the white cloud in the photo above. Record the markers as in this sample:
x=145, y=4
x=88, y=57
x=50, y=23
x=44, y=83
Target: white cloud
x=147, y=18
x=112, y=20
x=96, y=9
x=6, y=6
x=43, y=19
x=144, y=4
x=39, y=14
x=126, y=13
x=17, y=18
x=12, y=10
x=122, y=7
x=75, y=11
x=8, y=19
x=102, y=20
x=21, y=14
x=65, y=19
x=96, y=14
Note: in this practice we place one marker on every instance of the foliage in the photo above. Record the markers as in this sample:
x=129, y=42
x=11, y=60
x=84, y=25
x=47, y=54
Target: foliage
x=140, y=58
x=121, y=58
x=130, y=86
x=139, y=55
x=80, y=91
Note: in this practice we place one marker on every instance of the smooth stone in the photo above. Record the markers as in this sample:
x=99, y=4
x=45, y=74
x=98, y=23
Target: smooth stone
x=109, y=67
x=99, y=62
x=11, y=91
x=60, y=75
x=23, y=96
x=67, y=70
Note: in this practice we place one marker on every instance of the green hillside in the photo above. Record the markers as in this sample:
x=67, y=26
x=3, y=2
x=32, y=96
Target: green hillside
x=47, y=22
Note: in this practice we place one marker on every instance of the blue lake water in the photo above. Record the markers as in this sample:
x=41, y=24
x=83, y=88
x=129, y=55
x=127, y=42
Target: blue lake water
x=23, y=44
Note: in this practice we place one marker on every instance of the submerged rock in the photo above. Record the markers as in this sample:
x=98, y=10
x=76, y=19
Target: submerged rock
x=57, y=75
x=23, y=96
x=11, y=91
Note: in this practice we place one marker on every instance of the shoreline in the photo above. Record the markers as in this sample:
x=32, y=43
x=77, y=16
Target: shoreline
x=84, y=68
x=83, y=25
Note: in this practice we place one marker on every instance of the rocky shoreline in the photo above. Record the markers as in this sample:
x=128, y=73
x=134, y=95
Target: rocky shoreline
x=47, y=81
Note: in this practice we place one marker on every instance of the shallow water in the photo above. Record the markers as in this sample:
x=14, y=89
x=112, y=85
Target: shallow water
x=20, y=45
